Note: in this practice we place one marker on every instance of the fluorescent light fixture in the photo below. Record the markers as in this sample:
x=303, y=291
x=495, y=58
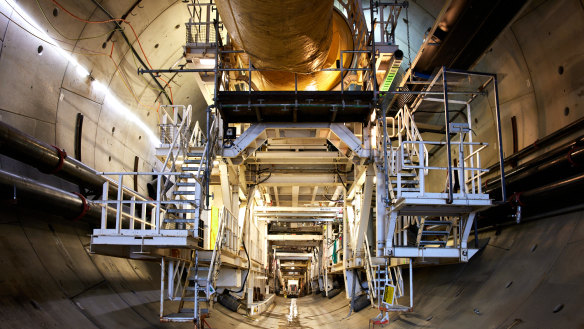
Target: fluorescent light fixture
x=207, y=61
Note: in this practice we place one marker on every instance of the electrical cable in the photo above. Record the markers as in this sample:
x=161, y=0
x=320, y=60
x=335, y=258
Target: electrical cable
x=124, y=80
x=116, y=20
x=62, y=35
x=263, y=180
x=94, y=53
x=246, y=273
x=341, y=179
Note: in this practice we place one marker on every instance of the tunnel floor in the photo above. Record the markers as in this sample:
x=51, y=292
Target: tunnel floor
x=308, y=312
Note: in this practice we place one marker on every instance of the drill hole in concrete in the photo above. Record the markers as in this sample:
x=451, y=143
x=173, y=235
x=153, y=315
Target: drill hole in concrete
x=148, y=114
x=508, y=284
x=55, y=12
x=429, y=318
x=566, y=111
x=110, y=158
x=558, y=308
x=40, y=50
x=103, y=45
x=533, y=247
x=560, y=70
x=476, y=120
x=139, y=137
x=177, y=26
x=113, y=130
x=156, y=46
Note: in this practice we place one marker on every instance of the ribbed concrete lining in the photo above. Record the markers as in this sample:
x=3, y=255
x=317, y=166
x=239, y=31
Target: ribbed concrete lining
x=49, y=279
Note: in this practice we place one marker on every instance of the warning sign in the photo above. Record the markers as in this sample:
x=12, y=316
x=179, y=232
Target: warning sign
x=388, y=294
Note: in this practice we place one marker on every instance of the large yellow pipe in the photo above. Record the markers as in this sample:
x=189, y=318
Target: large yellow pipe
x=286, y=37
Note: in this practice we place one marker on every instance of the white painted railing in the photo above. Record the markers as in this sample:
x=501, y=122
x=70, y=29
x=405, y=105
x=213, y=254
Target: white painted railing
x=152, y=212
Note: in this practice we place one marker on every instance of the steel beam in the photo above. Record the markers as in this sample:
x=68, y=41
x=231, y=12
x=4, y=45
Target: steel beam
x=293, y=237
x=365, y=209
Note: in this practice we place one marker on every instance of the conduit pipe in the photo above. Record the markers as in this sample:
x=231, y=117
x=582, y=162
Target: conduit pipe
x=289, y=40
x=27, y=193
x=575, y=126
x=559, y=195
x=564, y=161
x=52, y=160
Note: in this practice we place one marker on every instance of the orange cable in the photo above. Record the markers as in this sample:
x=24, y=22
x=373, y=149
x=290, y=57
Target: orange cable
x=116, y=20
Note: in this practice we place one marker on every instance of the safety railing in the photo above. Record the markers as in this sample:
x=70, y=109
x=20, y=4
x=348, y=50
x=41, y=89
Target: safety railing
x=226, y=240
x=406, y=128
x=199, y=29
x=370, y=271
x=468, y=169
x=175, y=126
x=134, y=214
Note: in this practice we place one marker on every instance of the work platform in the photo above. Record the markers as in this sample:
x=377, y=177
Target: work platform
x=294, y=106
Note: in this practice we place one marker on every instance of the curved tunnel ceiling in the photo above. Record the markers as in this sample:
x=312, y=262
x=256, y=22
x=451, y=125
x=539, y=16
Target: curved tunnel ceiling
x=54, y=280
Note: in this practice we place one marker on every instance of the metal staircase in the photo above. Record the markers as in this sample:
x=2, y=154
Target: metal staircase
x=415, y=211
x=193, y=293
x=200, y=281
x=433, y=232
x=422, y=219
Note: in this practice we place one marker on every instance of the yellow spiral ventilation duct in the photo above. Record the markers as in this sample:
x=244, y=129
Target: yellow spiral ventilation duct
x=286, y=37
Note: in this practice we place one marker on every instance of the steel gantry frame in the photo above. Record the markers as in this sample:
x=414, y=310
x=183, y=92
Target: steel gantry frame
x=390, y=172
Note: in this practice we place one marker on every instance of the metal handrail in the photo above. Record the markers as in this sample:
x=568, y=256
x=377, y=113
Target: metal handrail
x=406, y=124
x=136, y=199
x=224, y=212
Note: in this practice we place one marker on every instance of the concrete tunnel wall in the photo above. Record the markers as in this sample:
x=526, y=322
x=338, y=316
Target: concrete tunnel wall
x=50, y=280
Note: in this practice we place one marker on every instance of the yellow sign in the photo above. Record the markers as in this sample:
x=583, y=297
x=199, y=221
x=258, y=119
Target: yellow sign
x=388, y=294
x=214, y=226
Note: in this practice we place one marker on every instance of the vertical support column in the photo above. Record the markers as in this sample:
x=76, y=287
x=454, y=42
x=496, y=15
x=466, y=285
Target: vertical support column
x=389, y=233
x=104, y=194
x=170, y=286
x=345, y=241
x=421, y=172
x=143, y=213
x=500, y=142
x=380, y=197
x=133, y=213
x=448, y=146
x=119, y=210
x=365, y=212
x=158, y=204
x=162, y=279
x=225, y=187
x=411, y=286
x=464, y=238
